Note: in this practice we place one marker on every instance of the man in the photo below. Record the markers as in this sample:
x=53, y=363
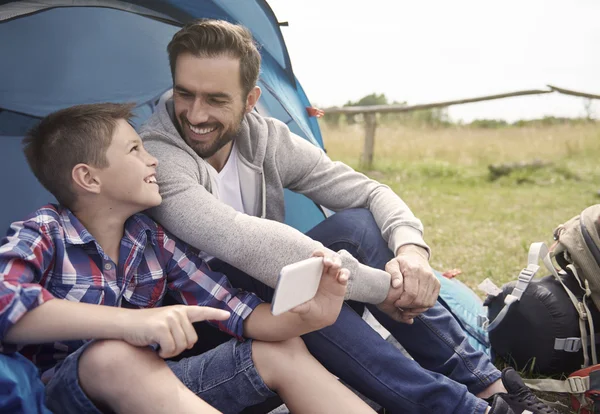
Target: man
x=222, y=174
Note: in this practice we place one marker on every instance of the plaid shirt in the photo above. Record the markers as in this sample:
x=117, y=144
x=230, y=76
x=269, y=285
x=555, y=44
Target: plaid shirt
x=51, y=255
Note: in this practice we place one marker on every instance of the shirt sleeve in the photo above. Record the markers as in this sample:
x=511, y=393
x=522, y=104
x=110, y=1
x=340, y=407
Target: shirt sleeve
x=192, y=282
x=25, y=254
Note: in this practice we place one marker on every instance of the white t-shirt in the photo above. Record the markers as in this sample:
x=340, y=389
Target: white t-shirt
x=226, y=183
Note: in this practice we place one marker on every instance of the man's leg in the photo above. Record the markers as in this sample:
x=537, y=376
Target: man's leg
x=436, y=341
x=354, y=352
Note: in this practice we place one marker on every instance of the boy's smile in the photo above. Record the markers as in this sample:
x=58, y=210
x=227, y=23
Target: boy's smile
x=130, y=178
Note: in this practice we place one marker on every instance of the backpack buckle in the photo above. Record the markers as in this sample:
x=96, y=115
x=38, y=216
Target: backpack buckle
x=578, y=385
x=567, y=344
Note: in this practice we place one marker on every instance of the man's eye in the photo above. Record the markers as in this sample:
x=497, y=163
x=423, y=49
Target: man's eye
x=135, y=148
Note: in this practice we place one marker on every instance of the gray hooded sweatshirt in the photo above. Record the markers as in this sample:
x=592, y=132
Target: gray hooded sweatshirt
x=270, y=158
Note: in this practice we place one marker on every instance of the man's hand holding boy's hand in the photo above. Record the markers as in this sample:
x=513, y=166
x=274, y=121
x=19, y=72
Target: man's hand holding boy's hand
x=324, y=308
x=414, y=286
x=170, y=327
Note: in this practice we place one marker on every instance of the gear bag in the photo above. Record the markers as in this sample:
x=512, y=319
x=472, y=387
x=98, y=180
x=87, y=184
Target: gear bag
x=552, y=319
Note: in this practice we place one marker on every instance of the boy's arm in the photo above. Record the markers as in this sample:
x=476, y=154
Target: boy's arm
x=27, y=316
x=25, y=255
x=191, y=282
x=319, y=312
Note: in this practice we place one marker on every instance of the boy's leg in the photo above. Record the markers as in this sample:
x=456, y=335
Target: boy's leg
x=353, y=351
x=436, y=341
x=122, y=378
x=236, y=375
x=304, y=385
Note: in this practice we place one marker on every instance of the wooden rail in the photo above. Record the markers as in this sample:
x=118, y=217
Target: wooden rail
x=370, y=112
x=384, y=109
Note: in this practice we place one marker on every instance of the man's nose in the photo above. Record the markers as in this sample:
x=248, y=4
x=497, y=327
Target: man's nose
x=198, y=113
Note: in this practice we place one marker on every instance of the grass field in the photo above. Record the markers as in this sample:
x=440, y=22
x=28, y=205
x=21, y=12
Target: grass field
x=481, y=226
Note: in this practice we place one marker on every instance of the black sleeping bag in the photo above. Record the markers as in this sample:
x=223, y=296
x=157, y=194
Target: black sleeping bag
x=528, y=334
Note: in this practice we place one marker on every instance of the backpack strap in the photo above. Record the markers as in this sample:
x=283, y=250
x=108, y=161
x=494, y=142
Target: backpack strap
x=525, y=277
x=572, y=385
x=540, y=250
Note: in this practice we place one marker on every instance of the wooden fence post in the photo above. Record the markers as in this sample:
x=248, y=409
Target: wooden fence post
x=369, y=148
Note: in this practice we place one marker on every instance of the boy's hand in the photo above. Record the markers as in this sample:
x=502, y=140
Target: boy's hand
x=324, y=308
x=170, y=327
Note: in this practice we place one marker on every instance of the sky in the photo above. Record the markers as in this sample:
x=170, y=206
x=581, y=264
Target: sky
x=423, y=51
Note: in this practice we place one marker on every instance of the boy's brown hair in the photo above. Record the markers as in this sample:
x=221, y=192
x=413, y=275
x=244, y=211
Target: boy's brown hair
x=212, y=38
x=71, y=136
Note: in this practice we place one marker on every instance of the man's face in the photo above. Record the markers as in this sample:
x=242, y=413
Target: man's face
x=209, y=101
x=129, y=180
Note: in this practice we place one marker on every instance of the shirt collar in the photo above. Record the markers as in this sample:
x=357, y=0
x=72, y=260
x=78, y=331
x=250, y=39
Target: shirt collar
x=135, y=226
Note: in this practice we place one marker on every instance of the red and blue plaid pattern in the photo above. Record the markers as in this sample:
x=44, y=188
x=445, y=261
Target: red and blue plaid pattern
x=51, y=255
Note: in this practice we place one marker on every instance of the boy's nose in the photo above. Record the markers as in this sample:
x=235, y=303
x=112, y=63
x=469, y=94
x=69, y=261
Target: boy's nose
x=151, y=160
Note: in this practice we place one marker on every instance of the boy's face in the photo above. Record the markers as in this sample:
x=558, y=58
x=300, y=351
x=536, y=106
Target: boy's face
x=129, y=180
x=209, y=102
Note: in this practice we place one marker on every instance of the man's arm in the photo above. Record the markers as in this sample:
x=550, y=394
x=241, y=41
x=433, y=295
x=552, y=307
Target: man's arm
x=307, y=170
x=256, y=246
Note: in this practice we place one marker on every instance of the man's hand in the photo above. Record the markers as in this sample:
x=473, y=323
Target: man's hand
x=324, y=308
x=414, y=286
x=170, y=327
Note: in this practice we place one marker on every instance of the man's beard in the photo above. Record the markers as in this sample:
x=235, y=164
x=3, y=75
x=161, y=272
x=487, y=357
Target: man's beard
x=207, y=150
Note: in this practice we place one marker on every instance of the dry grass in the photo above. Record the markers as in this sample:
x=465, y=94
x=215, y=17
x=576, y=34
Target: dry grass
x=482, y=227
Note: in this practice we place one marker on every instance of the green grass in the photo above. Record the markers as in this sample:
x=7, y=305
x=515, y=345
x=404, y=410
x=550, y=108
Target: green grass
x=483, y=227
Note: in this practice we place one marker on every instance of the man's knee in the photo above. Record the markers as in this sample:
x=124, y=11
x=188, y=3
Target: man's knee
x=355, y=217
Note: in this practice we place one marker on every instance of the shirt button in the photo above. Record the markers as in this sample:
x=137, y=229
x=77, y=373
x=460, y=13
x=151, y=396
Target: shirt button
x=107, y=266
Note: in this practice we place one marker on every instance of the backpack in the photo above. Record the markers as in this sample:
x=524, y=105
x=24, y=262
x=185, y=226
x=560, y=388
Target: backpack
x=577, y=252
x=541, y=331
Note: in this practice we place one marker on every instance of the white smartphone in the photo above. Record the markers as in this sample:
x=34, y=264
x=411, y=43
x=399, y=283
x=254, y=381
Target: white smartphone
x=297, y=283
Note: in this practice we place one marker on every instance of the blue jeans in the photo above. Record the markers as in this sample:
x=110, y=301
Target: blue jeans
x=446, y=372
x=224, y=377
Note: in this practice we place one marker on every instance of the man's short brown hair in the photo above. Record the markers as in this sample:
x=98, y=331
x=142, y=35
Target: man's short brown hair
x=212, y=38
x=63, y=139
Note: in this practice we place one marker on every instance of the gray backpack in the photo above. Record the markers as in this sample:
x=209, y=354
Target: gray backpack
x=576, y=251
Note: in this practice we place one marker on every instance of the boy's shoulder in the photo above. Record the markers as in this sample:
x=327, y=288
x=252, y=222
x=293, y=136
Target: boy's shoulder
x=47, y=215
x=161, y=235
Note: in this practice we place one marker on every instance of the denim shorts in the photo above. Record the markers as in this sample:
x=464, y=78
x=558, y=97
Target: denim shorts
x=224, y=377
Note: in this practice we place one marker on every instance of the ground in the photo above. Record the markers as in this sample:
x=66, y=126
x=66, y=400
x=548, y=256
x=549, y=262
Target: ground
x=475, y=222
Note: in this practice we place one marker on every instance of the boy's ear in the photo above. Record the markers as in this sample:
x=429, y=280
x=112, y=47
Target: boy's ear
x=85, y=178
x=252, y=99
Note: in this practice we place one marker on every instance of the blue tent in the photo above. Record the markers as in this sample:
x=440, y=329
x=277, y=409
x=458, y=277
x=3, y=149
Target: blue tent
x=58, y=53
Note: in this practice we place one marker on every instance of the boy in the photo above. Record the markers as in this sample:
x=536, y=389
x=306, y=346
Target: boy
x=93, y=249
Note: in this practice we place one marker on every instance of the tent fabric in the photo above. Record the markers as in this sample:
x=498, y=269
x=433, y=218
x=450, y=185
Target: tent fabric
x=58, y=53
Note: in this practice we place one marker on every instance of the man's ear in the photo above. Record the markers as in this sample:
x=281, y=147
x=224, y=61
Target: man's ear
x=252, y=99
x=85, y=179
